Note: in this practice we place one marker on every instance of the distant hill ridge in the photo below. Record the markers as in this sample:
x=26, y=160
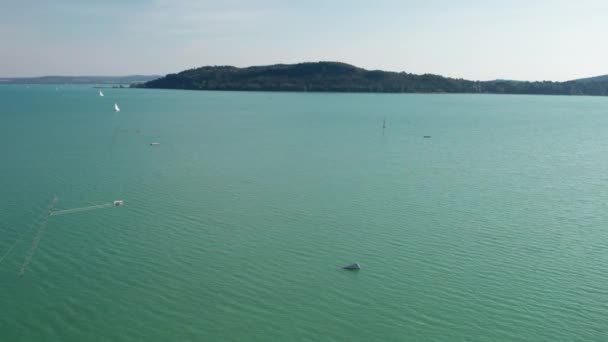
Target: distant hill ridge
x=79, y=79
x=342, y=77
x=603, y=78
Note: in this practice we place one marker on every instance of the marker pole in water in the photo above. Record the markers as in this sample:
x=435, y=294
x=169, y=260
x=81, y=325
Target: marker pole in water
x=383, y=126
x=32, y=250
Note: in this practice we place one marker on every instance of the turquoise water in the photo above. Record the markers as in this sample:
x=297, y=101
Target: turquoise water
x=236, y=226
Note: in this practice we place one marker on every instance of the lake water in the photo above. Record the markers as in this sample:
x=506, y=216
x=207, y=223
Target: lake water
x=236, y=226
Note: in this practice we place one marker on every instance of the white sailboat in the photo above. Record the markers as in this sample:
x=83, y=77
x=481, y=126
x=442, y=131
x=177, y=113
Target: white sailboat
x=100, y=93
x=116, y=107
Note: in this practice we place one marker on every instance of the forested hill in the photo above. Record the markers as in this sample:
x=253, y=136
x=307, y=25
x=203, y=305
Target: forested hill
x=602, y=78
x=340, y=77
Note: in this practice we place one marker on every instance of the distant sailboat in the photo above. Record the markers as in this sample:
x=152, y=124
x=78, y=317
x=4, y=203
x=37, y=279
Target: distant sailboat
x=100, y=93
x=116, y=107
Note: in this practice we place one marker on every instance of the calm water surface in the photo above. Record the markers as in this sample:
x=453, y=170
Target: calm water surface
x=236, y=226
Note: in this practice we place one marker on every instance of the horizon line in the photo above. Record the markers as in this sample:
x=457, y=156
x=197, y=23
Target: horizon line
x=4, y=78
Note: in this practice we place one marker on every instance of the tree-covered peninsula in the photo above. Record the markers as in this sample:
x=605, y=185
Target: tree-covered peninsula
x=341, y=77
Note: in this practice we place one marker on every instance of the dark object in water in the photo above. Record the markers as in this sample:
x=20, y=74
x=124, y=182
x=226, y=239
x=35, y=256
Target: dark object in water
x=383, y=126
x=352, y=267
x=426, y=136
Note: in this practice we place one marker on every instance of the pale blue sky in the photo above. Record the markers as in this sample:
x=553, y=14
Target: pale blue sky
x=474, y=39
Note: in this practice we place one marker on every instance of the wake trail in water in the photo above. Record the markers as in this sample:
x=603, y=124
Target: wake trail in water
x=77, y=210
x=34, y=246
x=10, y=249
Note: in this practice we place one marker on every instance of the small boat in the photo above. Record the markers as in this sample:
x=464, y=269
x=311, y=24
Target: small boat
x=116, y=107
x=119, y=203
x=100, y=93
x=427, y=136
x=154, y=144
x=352, y=267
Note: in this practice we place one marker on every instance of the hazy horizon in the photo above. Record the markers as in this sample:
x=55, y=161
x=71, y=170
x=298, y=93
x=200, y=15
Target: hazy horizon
x=477, y=40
